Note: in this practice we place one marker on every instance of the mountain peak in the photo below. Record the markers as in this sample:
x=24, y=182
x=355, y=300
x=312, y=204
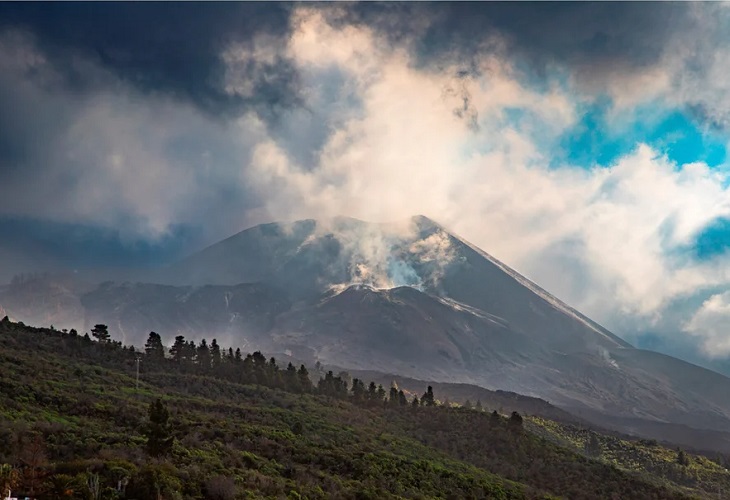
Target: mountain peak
x=424, y=222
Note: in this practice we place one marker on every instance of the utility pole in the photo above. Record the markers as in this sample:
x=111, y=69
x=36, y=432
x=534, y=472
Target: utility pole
x=137, y=384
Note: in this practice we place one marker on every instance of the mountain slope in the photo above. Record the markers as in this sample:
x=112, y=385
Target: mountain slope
x=407, y=298
x=489, y=285
x=244, y=311
x=405, y=330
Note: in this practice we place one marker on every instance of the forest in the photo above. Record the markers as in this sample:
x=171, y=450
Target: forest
x=83, y=416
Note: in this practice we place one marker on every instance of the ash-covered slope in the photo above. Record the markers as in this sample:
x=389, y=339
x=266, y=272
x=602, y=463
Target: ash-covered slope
x=408, y=331
x=291, y=256
x=45, y=300
x=309, y=258
x=485, y=283
x=235, y=315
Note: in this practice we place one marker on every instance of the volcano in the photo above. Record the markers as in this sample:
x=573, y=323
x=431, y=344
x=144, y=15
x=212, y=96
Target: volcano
x=412, y=299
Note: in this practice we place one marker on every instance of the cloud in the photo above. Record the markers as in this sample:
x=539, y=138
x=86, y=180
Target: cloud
x=401, y=150
x=711, y=324
x=594, y=43
x=157, y=48
x=681, y=63
x=631, y=51
x=113, y=156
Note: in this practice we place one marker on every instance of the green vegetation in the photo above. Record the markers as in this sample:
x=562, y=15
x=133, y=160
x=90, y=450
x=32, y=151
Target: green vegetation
x=212, y=423
x=695, y=474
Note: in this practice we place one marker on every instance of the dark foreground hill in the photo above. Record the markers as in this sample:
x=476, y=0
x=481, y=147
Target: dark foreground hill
x=72, y=425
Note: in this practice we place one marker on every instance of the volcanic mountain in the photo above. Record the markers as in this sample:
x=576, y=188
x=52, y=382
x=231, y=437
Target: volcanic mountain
x=415, y=300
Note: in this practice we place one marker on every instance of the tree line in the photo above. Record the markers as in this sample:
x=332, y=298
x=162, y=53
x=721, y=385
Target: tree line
x=211, y=359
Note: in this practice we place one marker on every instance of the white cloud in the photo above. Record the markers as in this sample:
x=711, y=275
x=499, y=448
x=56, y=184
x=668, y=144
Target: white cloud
x=711, y=324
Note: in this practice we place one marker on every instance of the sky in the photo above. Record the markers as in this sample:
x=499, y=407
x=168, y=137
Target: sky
x=583, y=144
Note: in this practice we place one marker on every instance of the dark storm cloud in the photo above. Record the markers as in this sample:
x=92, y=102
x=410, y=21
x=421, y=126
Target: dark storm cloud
x=176, y=47
x=676, y=51
x=158, y=47
x=95, y=69
x=39, y=245
x=582, y=35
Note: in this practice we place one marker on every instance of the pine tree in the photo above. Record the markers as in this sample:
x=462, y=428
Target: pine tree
x=189, y=353
x=215, y=356
x=304, y=382
x=291, y=378
x=393, y=397
x=154, y=348
x=247, y=372
x=372, y=394
x=332, y=386
x=273, y=375
x=101, y=333
x=158, y=430
x=203, y=357
x=177, y=351
x=380, y=398
x=428, y=399
x=515, y=420
x=259, y=367
x=467, y=404
x=358, y=390
x=402, y=400
x=478, y=406
x=415, y=403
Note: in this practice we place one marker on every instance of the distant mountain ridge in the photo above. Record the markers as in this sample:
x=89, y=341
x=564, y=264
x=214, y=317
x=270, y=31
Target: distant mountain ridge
x=408, y=298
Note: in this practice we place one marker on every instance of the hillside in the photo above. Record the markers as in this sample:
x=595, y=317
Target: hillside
x=70, y=417
x=408, y=298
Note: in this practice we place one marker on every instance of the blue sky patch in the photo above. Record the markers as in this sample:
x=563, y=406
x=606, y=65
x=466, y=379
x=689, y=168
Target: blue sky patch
x=713, y=240
x=599, y=139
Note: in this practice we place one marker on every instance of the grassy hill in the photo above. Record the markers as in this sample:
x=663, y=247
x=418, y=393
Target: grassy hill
x=704, y=472
x=694, y=474
x=73, y=425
